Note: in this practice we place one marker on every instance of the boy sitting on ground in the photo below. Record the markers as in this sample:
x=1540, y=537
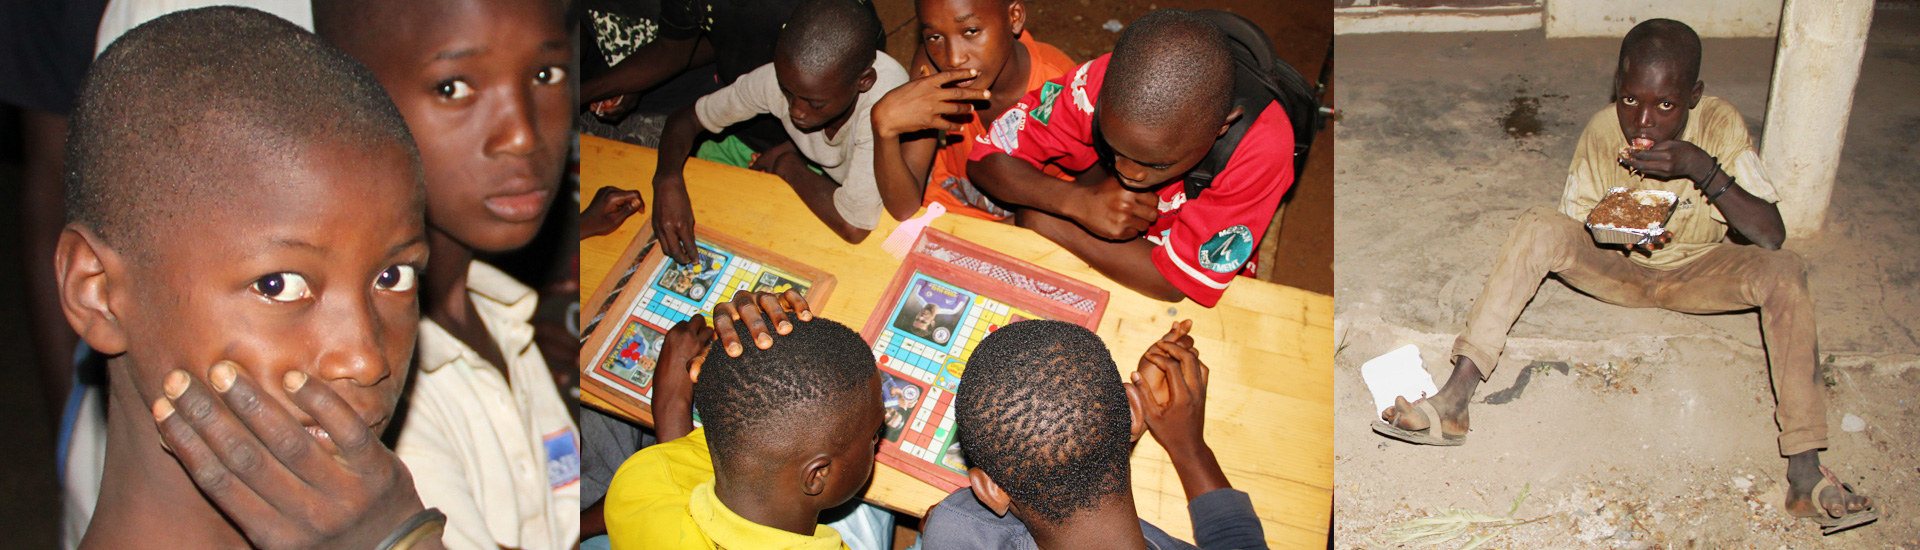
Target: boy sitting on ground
x=826, y=75
x=1043, y=418
x=1697, y=148
x=486, y=88
x=1131, y=125
x=976, y=59
x=791, y=429
x=226, y=155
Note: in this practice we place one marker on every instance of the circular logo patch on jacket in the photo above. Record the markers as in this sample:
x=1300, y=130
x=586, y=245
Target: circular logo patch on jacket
x=1227, y=250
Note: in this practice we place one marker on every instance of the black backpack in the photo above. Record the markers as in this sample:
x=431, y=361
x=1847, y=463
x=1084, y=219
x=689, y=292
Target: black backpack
x=1260, y=78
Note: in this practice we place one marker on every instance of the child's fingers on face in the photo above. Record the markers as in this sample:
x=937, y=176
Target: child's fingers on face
x=207, y=471
x=951, y=95
x=955, y=75
x=352, y=436
x=289, y=442
x=793, y=300
x=240, y=451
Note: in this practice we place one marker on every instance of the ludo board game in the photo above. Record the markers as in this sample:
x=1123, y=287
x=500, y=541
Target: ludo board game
x=638, y=305
x=947, y=295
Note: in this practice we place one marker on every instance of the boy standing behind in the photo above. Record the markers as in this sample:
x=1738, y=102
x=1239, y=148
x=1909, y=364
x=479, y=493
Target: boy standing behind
x=826, y=75
x=244, y=244
x=486, y=88
x=986, y=60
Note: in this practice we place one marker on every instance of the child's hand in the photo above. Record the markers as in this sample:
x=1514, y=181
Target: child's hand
x=1671, y=159
x=1151, y=377
x=673, y=219
x=272, y=476
x=1173, y=382
x=612, y=109
x=1173, y=364
x=1111, y=211
x=609, y=208
x=757, y=310
x=684, y=348
x=770, y=160
x=925, y=103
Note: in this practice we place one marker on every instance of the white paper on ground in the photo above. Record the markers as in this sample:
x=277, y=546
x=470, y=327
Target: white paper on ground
x=1398, y=373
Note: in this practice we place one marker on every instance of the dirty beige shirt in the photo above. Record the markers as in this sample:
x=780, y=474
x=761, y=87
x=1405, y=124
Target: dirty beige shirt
x=1716, y=127
x=847, y=157
x=501, y=460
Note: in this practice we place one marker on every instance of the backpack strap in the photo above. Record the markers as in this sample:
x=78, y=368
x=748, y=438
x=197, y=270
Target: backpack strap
x=1260, y=80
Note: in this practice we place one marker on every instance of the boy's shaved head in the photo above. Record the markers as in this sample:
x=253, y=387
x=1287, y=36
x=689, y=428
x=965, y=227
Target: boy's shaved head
x=1662, y=42
x=1043, y=412
x=1169, y=65
x=799, y=393
x=192, y=94
x=830, y=37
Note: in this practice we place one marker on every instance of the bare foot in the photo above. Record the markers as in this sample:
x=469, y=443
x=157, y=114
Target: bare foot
x=1451, y=403
x=1835, y=500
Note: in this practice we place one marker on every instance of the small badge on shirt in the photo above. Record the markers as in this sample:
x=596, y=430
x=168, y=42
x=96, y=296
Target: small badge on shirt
x=1006, y=131
x=1227, y=250
x=563, y=459
x=1048, y=92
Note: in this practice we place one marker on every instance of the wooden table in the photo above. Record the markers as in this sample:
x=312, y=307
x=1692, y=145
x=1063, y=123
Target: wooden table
x=1270, y=348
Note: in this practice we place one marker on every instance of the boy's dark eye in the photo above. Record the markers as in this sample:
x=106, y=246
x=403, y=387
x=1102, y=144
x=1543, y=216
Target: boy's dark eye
x=399, y=278
x=1628, y=101
x=455, y=89
x=971, y=32
x=1666, y=105
x=550, y=75
x=283, y=287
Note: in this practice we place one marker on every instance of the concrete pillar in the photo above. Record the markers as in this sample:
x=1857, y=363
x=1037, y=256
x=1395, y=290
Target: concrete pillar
x=1814, y=72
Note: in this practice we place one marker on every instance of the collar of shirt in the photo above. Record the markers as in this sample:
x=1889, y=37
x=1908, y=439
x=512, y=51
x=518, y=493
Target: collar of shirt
x=728, y=530
x=504, y=306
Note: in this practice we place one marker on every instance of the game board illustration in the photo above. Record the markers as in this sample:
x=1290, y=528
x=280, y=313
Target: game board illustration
x=926, y=327
x=619, y=371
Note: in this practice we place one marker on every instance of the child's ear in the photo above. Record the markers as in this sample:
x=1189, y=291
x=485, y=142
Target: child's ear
x=1017, y=17
x=815, y=475
x=1699, y=88
x=988, y=492
x=86, y=271
x=1231, y=116
x=1137, y=410
x=867, y=78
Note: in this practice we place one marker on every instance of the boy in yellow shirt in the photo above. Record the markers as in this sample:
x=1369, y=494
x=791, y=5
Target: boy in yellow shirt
x=791, y=429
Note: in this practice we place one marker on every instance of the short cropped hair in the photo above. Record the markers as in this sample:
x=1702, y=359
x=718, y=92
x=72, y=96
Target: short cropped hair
x=831, y=37
x=1043, y=412
x=180, y=98
x=1169, y=65
x=764, y=400
x=1663, y=42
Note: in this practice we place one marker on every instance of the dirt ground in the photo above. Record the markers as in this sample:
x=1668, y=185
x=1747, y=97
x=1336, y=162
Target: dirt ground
x=1633, y=429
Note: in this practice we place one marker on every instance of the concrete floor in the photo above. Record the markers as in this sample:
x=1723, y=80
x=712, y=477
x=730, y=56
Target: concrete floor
x=1661, y=435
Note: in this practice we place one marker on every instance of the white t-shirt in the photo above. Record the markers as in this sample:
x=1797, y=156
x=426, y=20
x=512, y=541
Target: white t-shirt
x=847, y=157
x=503, y=462
x=123, y=15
